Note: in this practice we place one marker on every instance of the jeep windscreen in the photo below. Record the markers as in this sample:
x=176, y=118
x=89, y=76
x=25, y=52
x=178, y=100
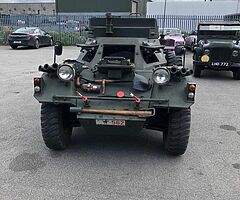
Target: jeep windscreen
x=218, y=31
x=125, y=51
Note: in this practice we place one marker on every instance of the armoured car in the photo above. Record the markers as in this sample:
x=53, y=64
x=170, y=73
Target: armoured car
x=217, y=48
x=120, y=83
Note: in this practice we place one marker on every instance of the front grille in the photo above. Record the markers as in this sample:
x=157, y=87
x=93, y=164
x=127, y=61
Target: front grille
x=220, y=54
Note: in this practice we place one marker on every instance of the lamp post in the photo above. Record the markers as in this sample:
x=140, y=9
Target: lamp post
x=164, y=19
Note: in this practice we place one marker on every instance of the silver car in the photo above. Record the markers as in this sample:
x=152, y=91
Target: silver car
x=191, y=40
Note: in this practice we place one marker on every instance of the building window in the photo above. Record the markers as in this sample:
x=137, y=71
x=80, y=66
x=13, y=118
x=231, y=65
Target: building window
x=1, y=9
x=134, y=7
x=53, y=12
x=10, y=11
x=38, y=12
x=24, y=11
x=29, y=9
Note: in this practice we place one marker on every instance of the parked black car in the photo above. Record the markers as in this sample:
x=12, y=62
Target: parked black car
x=30, y=36
x=217, y=48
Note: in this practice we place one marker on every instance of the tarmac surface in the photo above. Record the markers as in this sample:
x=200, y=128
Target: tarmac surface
x=116, y=167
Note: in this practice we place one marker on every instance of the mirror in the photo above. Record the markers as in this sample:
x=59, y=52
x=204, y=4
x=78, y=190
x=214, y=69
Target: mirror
x=58, y=48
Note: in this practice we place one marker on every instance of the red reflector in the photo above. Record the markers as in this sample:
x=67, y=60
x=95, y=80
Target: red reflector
x=192, y=88
x=120, y=94
x=37, y=81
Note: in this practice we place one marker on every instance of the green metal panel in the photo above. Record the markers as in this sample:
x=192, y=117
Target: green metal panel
x=72, y=6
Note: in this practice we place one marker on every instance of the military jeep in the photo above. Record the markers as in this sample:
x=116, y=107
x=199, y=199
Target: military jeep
x=217, y=48
x=120, y=83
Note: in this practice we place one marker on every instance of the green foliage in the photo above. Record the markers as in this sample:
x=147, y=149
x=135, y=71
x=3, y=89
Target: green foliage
x=3, y=37
x=69, y=38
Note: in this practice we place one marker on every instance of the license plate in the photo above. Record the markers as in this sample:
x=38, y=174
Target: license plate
x=17, y=42
x=111, y=122
x=220, y=64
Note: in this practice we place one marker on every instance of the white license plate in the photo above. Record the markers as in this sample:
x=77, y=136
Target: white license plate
x=17, y=42
x=111, y=122
x=220, y=64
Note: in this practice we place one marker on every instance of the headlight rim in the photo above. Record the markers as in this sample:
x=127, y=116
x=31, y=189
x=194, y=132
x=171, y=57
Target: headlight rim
x=206, y=52
x=237, y=53
x=73, y=73
x=161, y=68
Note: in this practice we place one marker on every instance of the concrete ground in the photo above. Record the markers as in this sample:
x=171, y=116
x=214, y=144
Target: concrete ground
x=116, y=167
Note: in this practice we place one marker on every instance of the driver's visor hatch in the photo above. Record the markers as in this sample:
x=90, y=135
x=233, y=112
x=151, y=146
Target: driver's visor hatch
x=125, y=51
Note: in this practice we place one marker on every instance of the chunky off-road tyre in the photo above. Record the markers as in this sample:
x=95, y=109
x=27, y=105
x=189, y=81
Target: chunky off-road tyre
x=36, y=44
x=56, y=132
x=179, y=61
x=236, y=74
x=197, y=70
x=175, y=138
x=172, y=59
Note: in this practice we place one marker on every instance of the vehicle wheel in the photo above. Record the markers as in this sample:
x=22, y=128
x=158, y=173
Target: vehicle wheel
x=236, y=74
x=56, y=132
x=36, y=45
x=175, y=138
x=51, y=42
x=196, y=70
x=192, y=47
x=14, y=47
x=170, y=58
x=179, y=61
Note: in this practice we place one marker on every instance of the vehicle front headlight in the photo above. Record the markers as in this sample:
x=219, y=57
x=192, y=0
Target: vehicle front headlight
x=161, y=75
x=206, y=52
x=66, y=73
x=235, y=53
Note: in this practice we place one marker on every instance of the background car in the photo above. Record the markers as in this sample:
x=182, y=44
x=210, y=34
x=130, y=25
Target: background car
x=174, y=35
x=191, y=40
x=30, y=36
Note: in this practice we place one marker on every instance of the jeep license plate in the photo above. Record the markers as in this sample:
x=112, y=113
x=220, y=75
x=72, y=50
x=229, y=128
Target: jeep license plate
x=111, y=122
x=220, y=64
x=17, y=42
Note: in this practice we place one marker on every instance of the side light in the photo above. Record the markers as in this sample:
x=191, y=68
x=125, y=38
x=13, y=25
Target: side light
x=191, y=89
x=205, y=58
x=37, y=85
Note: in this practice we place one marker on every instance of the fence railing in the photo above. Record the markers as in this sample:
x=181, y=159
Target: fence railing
x=71, y=27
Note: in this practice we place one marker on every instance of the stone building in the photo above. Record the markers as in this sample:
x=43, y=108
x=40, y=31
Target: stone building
x=100, y=7
x=27, y=9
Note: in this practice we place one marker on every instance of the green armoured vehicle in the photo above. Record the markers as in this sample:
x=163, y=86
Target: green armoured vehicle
x=120, y=83
x=217, y=48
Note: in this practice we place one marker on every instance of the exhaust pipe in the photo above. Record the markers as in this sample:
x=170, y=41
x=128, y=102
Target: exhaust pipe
x=174, y=70
x=183, y=71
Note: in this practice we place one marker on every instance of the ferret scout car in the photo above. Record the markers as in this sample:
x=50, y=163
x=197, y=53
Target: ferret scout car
x=120, y=83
